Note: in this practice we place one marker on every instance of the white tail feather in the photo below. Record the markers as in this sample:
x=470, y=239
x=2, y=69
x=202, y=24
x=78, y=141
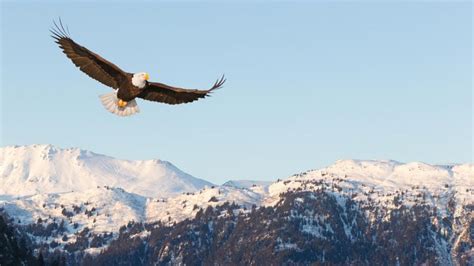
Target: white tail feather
x=110, y=102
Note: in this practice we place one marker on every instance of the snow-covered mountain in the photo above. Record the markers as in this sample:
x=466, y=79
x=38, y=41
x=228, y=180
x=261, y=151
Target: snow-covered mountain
x=28, y=170
x=36, y=179
x=247, y=183
x=377, y=179
x=69, y=199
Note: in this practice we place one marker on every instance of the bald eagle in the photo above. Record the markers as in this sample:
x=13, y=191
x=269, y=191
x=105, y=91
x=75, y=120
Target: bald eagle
x=127, y=86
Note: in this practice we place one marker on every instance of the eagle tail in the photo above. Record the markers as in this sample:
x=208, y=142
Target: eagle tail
x=110, y=102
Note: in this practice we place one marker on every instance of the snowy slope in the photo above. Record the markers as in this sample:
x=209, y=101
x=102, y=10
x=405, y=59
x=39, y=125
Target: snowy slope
x=102, y=209
x=165, y=193
x=386, y=177
x=28, y=170
x=365, y=181
x=187, y=205
x=246, y=183
x=38, y=181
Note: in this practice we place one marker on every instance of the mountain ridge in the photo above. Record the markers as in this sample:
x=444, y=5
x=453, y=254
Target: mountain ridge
x=375, y=191
x=32, y=169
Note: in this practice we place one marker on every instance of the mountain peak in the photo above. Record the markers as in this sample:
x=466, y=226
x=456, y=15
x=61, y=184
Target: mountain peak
x=38, y=168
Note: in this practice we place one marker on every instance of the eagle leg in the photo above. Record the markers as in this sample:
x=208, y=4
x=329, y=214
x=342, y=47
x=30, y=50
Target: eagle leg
x=121, y=103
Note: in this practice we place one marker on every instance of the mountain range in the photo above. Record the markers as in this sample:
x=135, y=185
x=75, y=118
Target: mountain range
x=78, y=207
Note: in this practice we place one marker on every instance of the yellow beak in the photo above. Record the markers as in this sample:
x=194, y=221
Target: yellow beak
x=147, y=76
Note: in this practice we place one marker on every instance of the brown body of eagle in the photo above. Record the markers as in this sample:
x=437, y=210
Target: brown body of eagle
x=111, y=75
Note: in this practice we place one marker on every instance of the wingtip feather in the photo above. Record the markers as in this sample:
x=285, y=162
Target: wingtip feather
x=218, y=84
x=59, y=30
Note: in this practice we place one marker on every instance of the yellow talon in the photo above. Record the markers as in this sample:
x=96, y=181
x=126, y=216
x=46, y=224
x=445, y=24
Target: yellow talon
x=121, y=103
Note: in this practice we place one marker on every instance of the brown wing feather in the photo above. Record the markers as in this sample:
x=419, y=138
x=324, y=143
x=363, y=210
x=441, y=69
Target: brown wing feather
x=88, y=62
x=160, y=92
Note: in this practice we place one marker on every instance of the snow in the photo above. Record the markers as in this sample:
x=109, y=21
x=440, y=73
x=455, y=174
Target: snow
x=380, y=179
x=247, y=183
x=28, y=170
x=113, y=207
x=37, y=175
x=187, y=205
x=39, y=181
x=281, y=245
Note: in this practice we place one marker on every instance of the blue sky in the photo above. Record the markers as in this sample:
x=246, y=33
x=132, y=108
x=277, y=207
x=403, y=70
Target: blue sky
x=307, y=83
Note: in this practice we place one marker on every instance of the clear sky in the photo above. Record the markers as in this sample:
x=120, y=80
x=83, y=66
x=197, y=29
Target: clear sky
x=307, y=83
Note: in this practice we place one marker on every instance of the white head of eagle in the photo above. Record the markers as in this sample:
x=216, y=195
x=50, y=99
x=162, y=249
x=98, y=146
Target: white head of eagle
x=139, y=79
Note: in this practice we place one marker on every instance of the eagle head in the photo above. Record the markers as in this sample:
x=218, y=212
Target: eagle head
x=139, y=79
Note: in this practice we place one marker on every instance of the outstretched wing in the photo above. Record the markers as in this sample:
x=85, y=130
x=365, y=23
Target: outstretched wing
x=159, y=92
x=88, y=62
